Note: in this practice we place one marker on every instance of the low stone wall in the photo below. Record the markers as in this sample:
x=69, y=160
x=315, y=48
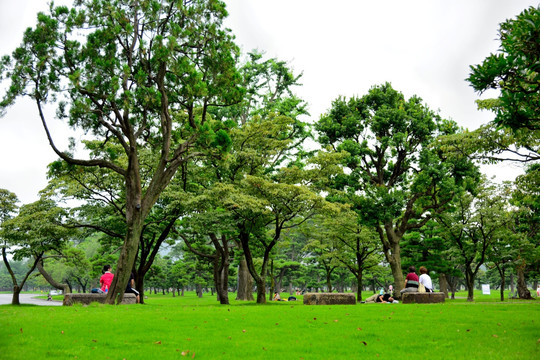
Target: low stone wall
x=70, y=299
x=422, y=298
x=329, y=299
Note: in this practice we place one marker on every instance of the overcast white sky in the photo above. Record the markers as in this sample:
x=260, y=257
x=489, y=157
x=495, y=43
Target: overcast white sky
x=342, y=47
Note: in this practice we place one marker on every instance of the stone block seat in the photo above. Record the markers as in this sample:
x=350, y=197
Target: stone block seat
x=422, y=298
x=85, y=299
x=329, y=299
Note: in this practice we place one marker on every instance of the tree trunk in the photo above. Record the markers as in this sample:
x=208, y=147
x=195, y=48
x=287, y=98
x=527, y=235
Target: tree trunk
x=139, y=286
x=125, y=261
x=469, y=279
x=523, y=292
x=392, y=252
x=198, y=290
x=245, y=282
x=503, y=284
x=16, y=292
x=64, y=287
x=329, y=281
x=359, y=286
x=272, y=281
x=221, y=281
x=394, y=259
x=443, y=284
x=512, y=286
x=260, y=280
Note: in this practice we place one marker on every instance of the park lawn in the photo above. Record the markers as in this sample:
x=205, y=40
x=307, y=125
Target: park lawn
x=189, y=327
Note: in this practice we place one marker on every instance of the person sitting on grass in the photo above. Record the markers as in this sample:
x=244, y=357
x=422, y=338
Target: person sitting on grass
x=277, y=297
x=425, y=279
x=385, y=298
x=411, y=281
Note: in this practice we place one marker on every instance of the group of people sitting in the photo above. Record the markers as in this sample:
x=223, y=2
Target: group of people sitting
x=277, y=297
x=413, y=283
x=107, y=277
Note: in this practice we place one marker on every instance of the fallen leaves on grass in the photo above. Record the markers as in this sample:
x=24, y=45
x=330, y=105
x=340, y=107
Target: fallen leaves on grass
x=21, y=331
x=158, y=342
x=359, y=329
x=243, y=330
x=94, y=340
x=365, y=343
x=495, y=336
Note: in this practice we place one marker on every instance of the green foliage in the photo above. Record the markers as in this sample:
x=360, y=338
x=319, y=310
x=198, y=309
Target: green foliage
x=36, y=229
x=515, y=71
x=396, y=177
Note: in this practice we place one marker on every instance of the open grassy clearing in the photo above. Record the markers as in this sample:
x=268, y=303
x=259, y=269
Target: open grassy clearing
x=189, y=327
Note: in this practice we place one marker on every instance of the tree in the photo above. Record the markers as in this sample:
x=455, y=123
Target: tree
x=472, y=226
x=262, y=209
x=397, y=179
x=35, y=231
x=138, y=75
x=526, y=199
x=341, y=241
x=515, y=71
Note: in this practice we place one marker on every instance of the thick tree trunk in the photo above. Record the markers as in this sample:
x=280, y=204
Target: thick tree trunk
x=443, y=284
x=16, y=292
x=394, y=259
x=522, y=290
x=125, y=262
x=512, y=286
x=221, y=281
x=260, y=280
x=245, y=282
x=392, y=251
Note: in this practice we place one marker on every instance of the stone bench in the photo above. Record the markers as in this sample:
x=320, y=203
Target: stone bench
x=70, y=299
x=329, y=299
x=422, y=298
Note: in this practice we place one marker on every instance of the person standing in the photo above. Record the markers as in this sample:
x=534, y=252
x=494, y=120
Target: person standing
x=106, y=279
x=425, y=279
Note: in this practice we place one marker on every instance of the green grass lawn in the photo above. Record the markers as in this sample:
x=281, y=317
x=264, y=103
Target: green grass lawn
x=189, y=327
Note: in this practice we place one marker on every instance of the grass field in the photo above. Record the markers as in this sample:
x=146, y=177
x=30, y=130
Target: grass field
x=189, y=327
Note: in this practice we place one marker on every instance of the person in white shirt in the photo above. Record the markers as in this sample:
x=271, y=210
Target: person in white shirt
x=425, y=279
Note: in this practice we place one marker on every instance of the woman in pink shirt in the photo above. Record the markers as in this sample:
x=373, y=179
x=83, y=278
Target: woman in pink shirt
x=106, y=279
